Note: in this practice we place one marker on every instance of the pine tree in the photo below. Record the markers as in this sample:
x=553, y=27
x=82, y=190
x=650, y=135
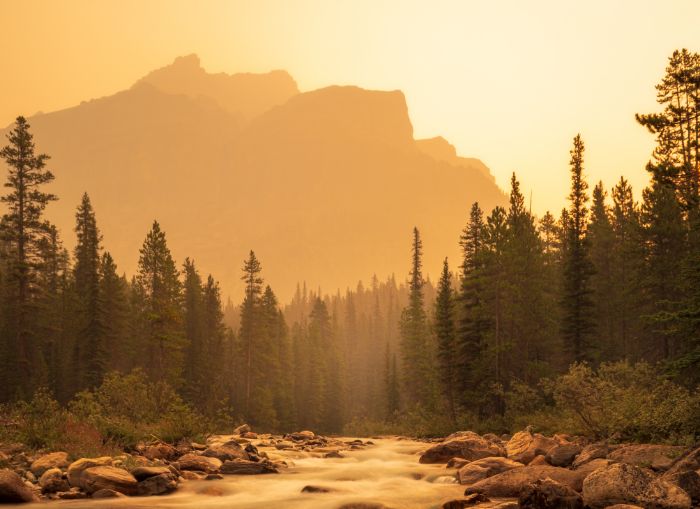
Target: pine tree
x=160, y=289
x=91, y=353
x=114, y=315
x=23, y=228
x=194, y=369
x=417, y=368
x=446, y=339
x=249, y=329
x=577, y=304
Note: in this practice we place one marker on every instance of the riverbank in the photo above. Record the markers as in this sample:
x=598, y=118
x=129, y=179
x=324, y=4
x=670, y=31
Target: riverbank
x=303, y=470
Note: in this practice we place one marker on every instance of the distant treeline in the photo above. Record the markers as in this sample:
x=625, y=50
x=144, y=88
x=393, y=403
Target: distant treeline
x=608, y=279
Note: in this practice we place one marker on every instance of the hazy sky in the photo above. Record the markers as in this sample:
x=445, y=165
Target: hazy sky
x=508, y=82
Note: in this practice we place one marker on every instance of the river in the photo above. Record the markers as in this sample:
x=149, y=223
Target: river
x=387, y=472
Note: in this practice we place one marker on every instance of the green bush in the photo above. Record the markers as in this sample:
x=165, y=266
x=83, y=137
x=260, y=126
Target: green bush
x=41, y=421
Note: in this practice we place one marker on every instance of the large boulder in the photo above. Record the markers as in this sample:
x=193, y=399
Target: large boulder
x=160, y=484
x=12, y=488
x=689, y=461
x=688, y=481
x=656, y=457
x=48, y=461
x=549, y=494
x=563, y=455
x=161, y=451
x=108, y=478
x=201, y=463
x=524, y=446
x=144, y=472
x=591, y=452
x=227, y=452
x=76, y=469
x=52, y=481
x=244, y=467
x=467, y=445
x=621, y=483
x=485, y=467
x=511, y=483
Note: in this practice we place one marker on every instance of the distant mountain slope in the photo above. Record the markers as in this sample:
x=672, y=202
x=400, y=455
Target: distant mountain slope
x=325, y=187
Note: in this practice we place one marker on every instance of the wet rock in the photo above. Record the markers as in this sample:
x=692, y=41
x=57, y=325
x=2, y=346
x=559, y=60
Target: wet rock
x=623, y=506
x=52, y=460
x=284, y=445
x=106, y=493
x=71, y=494
x=563, y=455
x=76, y=469
x=52, y=481
x=486, y=467
x=456, y=462
x=468, y=501
x=213, y=477
x=621, y=483
x=191, y=475
x=524, y=446
x=12, y=488
x=363, y=505
x=201, y=463
x=302, y=435
x=230, y=451
x=243, y=428
x=656, y=457
x=250, y=435
x=161, y=451
x=688, y=481
x=316, y=489
x=509, y=484
x=106, y=477
x=333, y=454
x=157, y=485
x=549, y=494
x=243, y=467
x=591, y=452
x=141, y=473
x=467, y=445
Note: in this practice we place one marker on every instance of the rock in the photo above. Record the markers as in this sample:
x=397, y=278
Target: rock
x=226, y=452
x=71, y=494
x=563, y=455
x=250, y=435
x=213, y=477
x=157, y=485
x=486, y=467
x=76, y=469
x=243, y=467
x=467, y=445
x=688, y=481
x=333, y=454
x=591, y=452
x=12, y=488
x=52, y=481
x=623, y=506
x=192, y=476
x=316, y=489
x=549, y=494
x=656, y=457
x=468, y=501
x=141, y=473
x=201, y=463
x=302, y=435
x=363, y=505
x=622, y=483
x=593, y=465
x=52, y=460
x=106, y=493
x=524, y=446
x=510, y=483
x=540, y=459
x=456, y=462
x=111, y=478
x=30, y=477
x=161, y=451
x=688, y=461
x=243, y=428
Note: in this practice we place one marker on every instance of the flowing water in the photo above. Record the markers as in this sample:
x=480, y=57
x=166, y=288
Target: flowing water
x=387, y=473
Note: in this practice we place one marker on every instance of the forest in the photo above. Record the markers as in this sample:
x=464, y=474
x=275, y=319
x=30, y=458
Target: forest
x=584, y=320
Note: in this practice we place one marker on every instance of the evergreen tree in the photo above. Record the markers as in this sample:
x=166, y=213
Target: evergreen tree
x=249, y=330
x=194, y=369
x=446, y=339
x=160, y=289
x=90, y=352
x=114, y=315
x=577, y=303
x=23, y=228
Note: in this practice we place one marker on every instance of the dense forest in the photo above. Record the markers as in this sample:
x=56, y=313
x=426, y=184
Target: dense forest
x=606, y=291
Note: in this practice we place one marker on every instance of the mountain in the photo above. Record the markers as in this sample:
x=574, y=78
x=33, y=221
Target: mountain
x=324, y=185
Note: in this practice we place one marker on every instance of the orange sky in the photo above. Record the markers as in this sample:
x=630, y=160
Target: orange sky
x=508, y=82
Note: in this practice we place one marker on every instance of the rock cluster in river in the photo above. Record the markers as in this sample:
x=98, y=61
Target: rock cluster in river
x=152, y=469
x=567, y=472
